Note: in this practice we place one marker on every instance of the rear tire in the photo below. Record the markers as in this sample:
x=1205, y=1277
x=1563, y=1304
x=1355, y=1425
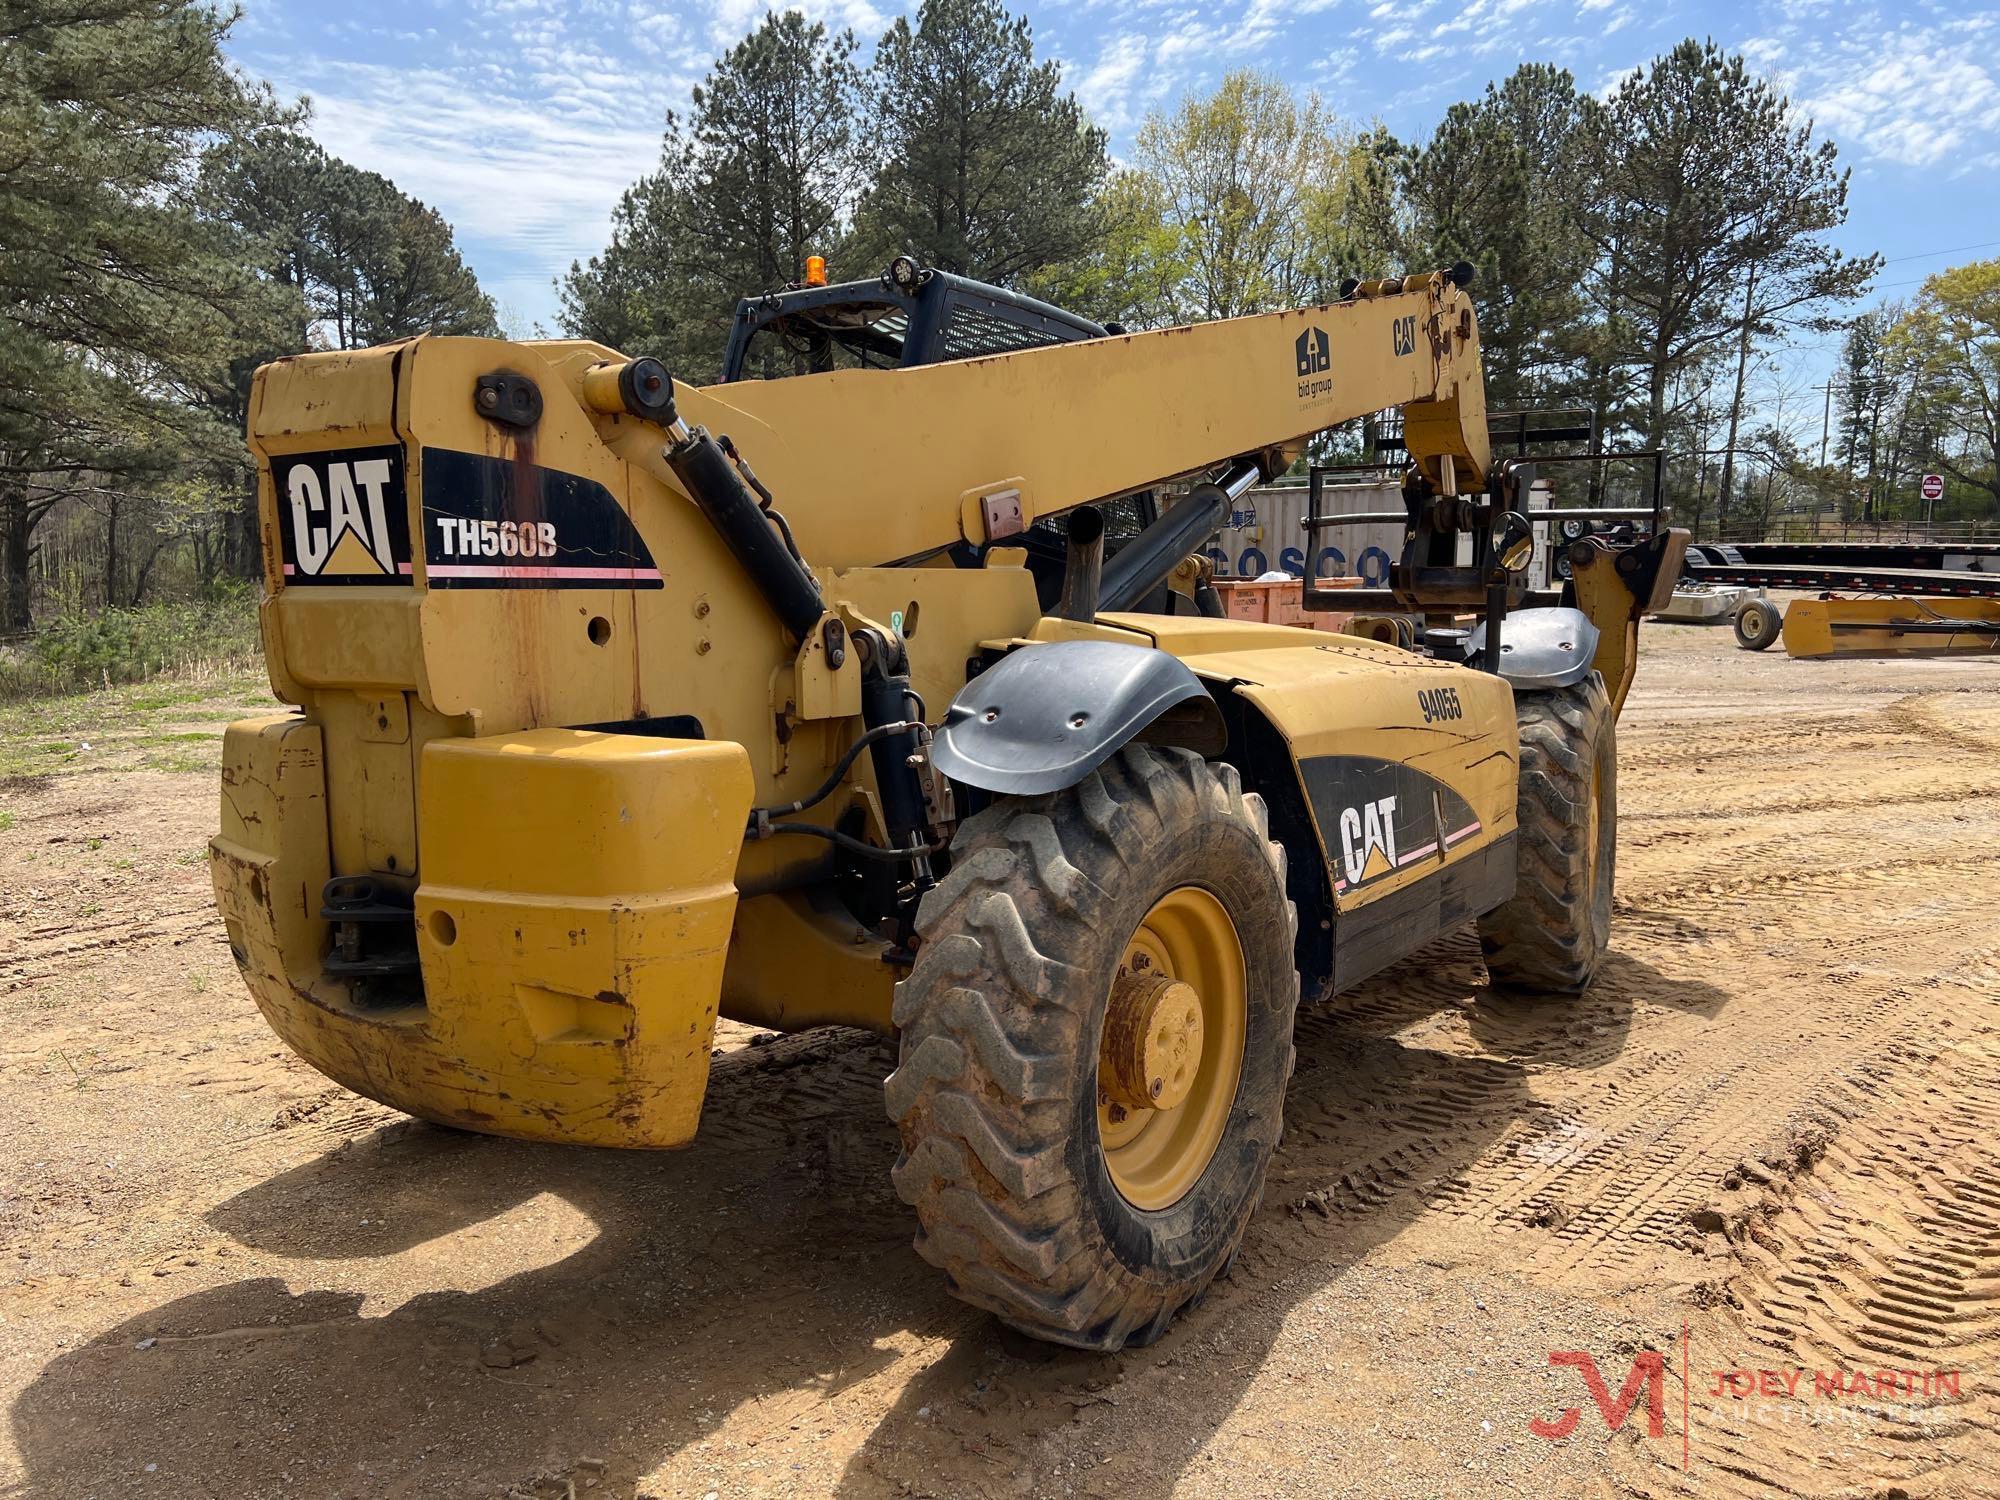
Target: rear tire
x=999, y=1097
x=1551, y=937
x=1758, y=623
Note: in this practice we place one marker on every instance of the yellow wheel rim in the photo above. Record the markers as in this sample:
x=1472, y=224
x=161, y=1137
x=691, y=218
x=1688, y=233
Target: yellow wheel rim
x=1593, y=828
x=1173, y=1029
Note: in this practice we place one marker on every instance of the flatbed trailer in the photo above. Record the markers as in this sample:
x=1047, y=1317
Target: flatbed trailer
x=1945, y=557
x=1857, y=570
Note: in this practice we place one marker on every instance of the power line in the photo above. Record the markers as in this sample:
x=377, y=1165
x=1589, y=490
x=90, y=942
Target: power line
x=1926, y=254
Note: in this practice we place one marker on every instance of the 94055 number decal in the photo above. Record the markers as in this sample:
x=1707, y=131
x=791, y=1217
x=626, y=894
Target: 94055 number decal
x=1439, y=703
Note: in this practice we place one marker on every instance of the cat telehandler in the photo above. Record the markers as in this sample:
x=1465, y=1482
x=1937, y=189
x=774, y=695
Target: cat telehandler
x=881, y=684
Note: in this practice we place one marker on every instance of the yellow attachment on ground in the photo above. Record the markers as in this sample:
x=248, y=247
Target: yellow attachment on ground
x=1157, y=1154
x=1891, y=627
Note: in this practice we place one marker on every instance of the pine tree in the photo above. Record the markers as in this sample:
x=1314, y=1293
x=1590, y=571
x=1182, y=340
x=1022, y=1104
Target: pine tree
x=768, y=156
x=343, y=260
x=363, y=262
x=761, y=174
x=1706, y=201
x=985, y=167
x=1860, y=392
x=1485, y=189
x=414, y=280
x=115, y=296
x=633, y=296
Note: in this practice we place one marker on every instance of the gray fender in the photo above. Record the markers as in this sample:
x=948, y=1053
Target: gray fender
x=1044, y=717
x=1541, y=648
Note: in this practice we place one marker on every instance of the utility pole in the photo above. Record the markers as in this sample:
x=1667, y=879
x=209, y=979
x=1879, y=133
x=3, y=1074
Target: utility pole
x=1825, y=422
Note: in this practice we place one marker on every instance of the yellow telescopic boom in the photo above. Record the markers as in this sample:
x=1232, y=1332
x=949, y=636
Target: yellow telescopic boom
x=977, y=450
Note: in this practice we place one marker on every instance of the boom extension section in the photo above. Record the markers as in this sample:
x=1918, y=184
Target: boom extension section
x=977, y=451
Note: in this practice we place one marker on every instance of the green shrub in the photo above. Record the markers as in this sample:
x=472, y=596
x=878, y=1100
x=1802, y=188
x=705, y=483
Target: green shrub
x=193, y=637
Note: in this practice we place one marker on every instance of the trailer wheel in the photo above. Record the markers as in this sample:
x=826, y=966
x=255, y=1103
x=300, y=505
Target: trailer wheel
x=1550, y=938
x=1095, y=1041
x=1758, y=622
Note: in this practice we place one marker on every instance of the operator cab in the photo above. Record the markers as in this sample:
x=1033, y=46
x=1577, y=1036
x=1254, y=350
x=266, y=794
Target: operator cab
x=909, y=315
x=914, y=315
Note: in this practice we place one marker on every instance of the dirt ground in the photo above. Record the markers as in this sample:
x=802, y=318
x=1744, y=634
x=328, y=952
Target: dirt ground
x=1762, y=1155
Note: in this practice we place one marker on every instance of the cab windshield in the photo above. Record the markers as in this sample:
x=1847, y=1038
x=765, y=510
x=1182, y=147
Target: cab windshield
x=843, y=336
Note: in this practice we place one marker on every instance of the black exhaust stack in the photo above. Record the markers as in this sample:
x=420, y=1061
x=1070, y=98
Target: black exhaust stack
x=1143, y=563
x=1083, y=570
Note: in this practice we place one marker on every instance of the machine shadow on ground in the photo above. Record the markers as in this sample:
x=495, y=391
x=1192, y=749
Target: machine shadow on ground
x=1590, y=1031
x=769, y=1263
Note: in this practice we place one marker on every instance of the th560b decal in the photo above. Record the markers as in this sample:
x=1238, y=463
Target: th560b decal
x=497, y=523
x=1380, y=816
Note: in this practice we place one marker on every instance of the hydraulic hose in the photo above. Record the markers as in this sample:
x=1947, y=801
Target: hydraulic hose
x=859, y=847
x=759, y=816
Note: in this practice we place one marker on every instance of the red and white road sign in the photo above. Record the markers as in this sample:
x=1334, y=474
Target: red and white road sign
x=1934, y=486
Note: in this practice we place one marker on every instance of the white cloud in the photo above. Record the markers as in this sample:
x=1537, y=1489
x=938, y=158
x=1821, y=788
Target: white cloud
x=1764, y=53
x=1107, y=87
x=528, y=176
x=1907, y=98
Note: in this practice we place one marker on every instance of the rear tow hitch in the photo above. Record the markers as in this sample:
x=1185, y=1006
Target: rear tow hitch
x=374, y=929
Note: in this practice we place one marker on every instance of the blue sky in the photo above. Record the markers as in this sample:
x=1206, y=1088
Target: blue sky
x=522, y=120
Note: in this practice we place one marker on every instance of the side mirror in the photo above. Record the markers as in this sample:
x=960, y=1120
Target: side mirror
x=1516, y=547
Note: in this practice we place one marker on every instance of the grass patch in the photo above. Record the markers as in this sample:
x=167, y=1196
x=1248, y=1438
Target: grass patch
x=119, y=691
x=193, y=639
x=34, y=759
x=6, y=821
x=177, y=763
x=147, y=702
x=127, y=727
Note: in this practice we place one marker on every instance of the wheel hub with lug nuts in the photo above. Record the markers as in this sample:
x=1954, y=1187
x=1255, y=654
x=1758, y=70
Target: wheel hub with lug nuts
x=1171, y=1051
x=1152, y=1042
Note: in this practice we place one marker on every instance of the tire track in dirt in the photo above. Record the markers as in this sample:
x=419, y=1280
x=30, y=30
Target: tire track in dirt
x=41, y=953
x=1924, y=792
x=1929, y=716
x=1875, y=1253
x=1629, y=1145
